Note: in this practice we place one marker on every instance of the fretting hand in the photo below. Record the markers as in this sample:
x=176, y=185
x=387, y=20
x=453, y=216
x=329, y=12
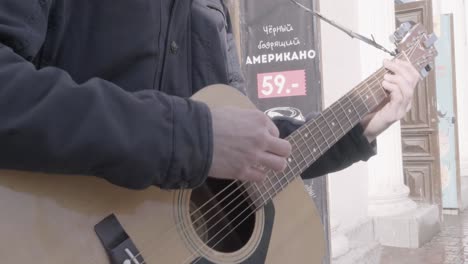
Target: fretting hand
x=400, y=85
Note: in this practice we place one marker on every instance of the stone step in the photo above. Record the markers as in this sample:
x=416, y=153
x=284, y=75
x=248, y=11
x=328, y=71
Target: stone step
x=464, y=192
x=360, y=243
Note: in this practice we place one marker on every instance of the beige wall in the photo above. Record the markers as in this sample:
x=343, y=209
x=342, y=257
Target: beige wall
x=341, y=72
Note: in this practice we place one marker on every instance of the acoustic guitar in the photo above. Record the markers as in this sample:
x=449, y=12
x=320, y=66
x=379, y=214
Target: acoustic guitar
x=48, y=219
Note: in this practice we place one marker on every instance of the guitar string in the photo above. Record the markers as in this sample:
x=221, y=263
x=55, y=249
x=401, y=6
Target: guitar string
x=258, y=199
x=230, y=194
x=360, y=88
x=303, y=160
x=231, y=185
x=206, y=244
x=234, y=228
x=180, y=223
x=227, y=195
x=235, y=218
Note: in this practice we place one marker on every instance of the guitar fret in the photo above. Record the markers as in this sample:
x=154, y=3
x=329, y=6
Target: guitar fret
x=381, y=93
x=309, y=150
x=265, y=190
x=362, y=102
x=352, y=105
x=321, y=133
x=379, y=83
x=279, y=181
x=314, y=138
x=271, y=188
x=300, y=152
x=341, y=117
x=324, y=147
x=297, y=169
x=332, y=132
x=346, y=114
x=338, y=121
x=291, y=167
x=373, y=95
x=284, y=179
x=260, y=192
x=338, y=130
x=316, y=148
x=365, y=100
x=292, y=159
x=358, y=103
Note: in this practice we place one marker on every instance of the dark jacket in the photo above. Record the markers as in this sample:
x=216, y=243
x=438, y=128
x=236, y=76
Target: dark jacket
x=100, y=88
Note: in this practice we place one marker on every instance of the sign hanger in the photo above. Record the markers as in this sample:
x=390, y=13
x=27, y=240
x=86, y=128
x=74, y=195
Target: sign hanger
x=349, y=32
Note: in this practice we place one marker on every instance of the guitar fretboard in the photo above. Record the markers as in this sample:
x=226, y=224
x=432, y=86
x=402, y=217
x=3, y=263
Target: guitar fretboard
x=317, y=136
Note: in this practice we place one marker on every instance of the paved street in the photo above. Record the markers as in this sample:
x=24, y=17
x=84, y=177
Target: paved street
x=449, y=247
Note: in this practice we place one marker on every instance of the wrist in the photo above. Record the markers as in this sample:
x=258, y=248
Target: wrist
x=375, y=127
x=368, y=131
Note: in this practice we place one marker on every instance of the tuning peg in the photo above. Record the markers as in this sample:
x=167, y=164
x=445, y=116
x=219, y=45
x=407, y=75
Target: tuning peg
x=432, y=38
x=425, y=71
x=429, y=67
x=405, y=27
x=401, y=32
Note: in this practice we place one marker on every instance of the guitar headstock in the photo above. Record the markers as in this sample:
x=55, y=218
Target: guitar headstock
x=414, y=41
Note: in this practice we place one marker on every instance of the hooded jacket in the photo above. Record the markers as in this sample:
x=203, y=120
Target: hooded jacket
x=102, y=88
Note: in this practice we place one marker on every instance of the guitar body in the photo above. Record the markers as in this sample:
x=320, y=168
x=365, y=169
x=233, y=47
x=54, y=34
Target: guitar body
x=51, y=219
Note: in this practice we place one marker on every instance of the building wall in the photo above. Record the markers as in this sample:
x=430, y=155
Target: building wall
x=341, y=72
x=375, y=189
x=459, y=9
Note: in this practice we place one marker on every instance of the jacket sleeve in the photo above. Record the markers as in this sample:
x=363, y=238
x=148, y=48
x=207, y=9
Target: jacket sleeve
x=353, y=147
x=49, y=123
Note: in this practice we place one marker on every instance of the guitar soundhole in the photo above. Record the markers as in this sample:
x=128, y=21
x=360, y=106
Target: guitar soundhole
x=222, y=215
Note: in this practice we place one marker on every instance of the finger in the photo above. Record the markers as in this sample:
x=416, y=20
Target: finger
x=411, y=70
x=397, y=68
x=395, y=79
x=396, y=96
x=271, y=162
x=255, y=174
x=278, y=147
x=396, y=104
x=406, y=88
x=273, y=129
x=408, y=91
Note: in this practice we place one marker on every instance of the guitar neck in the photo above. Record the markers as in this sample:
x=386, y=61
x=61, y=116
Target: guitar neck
x=317, y=136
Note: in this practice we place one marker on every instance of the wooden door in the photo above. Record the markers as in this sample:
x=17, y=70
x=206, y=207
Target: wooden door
x=420, y=142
